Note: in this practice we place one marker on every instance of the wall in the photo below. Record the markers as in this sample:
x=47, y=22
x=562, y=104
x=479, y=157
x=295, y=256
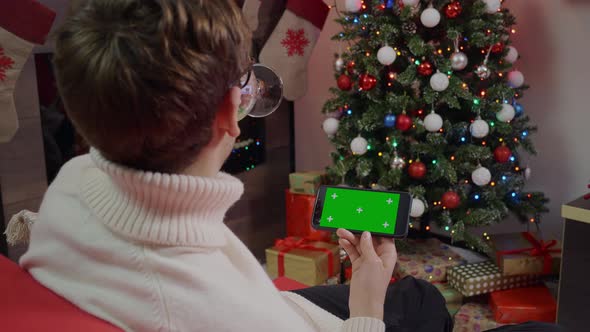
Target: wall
x=552, y=39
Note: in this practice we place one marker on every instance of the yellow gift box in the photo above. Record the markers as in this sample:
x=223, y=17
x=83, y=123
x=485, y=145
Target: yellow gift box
x=308, y=262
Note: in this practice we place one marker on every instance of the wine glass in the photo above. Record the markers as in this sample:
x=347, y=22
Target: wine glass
x=262, y=92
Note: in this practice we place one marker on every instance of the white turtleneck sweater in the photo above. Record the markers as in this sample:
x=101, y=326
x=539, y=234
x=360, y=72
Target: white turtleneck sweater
x=150, y=252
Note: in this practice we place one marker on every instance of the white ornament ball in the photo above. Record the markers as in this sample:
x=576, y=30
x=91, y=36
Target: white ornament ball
x=481, y=176
x=439, y=82
x=339, y=64
x=433, y=122
x=330, y=126
x=459, y=60
x=516, y=78
x=479, y=128
x=430, y=17
x=418, y=208
x=512, y=55
x=527, y=173
x=386, y=55
x=492, y=6
x=359, y=146
x=353, y=6
x=506, y=114
x=410, y=2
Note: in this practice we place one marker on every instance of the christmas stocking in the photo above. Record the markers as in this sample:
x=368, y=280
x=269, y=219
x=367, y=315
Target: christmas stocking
x=250, y=12
x=289, y=47
x=23, y=23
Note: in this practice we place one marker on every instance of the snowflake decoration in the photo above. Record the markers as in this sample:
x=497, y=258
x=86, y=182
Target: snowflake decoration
x=295, y=42
x=5, y=63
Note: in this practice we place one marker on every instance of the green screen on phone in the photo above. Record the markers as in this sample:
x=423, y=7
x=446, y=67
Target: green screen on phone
x=360, y=210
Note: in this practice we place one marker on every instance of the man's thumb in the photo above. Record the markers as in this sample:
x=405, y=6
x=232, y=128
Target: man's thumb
x=367, y=248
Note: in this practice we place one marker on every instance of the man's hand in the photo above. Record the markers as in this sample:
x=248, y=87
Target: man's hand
x=373, y=260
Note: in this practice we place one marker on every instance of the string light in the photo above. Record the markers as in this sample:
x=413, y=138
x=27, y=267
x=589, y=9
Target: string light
x=399, y=53
x=380, y=154
x=439, y=51
x=464, y=85
x=349, y=112
x=463, y=139
x=476, y=101
x=417, y=62
x=369, y=147
x=525, y=133
x=492, y=123
x=483, y=143
x=391, y=75
x=389, y=84
x=395, y=144
x=515, y=140
x=377, y=33
x=356, y=20
x=504, y=178
x=476, y=196
x=485, y=234
x=500, y=140
x=410, y=161
x=512, y=158
x=517, y=169
x=529, y=196
x=447, y=229
x=452, y=157
x=482, y=93
x=513, y=194
x=364, y=28
x=428, y=228
x=493, y=184
x=441, y=130
x=513, y=31
x=434, y=162
x=532, y=220
x=368, y=54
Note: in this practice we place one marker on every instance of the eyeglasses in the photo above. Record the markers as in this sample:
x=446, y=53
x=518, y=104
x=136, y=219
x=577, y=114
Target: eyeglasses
x=262, y=92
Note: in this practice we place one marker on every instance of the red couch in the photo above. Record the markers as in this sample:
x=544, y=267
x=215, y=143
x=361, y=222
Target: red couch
x=25, y=305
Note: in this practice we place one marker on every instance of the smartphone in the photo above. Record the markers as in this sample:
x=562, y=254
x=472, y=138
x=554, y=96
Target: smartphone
x=383, y=213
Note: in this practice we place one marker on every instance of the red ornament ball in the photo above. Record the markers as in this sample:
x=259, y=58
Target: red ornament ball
x=453, y=9
x=367, y=82
x=403, y=122
x=498, y=47
x=350, y=67
x=344, y=82
x=425, y=68
x=502, y=154
x=451, y=200
x=417, y=170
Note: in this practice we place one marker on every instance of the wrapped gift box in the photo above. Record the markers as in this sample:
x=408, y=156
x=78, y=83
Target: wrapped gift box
x=453, y=298
x=308, y=262
x=474, y=317
x=299, y=212
x=482, y=278
x=523, y=305
x=426, y=259
x=306, y=182
x=523, y=253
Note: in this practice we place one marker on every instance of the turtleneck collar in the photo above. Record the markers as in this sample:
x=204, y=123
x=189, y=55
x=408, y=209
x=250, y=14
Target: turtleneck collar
x=164, y=209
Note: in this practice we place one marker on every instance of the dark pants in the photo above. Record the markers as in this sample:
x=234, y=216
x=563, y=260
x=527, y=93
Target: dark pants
x=411, y=305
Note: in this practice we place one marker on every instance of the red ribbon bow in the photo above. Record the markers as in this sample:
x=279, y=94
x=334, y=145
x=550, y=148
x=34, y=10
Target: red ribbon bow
x=539, y=248
x=290, y=243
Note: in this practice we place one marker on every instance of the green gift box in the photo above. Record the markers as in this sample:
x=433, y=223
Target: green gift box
x=306, y=182
x=485, y=277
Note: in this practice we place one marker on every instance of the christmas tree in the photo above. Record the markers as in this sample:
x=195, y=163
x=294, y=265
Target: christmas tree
x=427, y=103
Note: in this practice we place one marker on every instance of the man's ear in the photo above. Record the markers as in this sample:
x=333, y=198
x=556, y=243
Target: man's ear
x=227, y=115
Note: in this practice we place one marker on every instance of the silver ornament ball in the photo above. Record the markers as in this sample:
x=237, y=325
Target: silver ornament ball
x=418, y=208
x=481, y=176
x=483, y=72
x=339, y=64
x=459, y=60
x=397, y=162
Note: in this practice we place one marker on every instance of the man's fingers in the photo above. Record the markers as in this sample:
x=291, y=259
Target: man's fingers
x=367, y=249
x=346, y=234
x=349, y=248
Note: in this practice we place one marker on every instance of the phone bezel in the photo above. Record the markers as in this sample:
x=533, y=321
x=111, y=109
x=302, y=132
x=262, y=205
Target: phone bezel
x=402, y=218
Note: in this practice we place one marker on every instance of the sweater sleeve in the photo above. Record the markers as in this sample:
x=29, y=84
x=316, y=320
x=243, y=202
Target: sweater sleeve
x=363, y=324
